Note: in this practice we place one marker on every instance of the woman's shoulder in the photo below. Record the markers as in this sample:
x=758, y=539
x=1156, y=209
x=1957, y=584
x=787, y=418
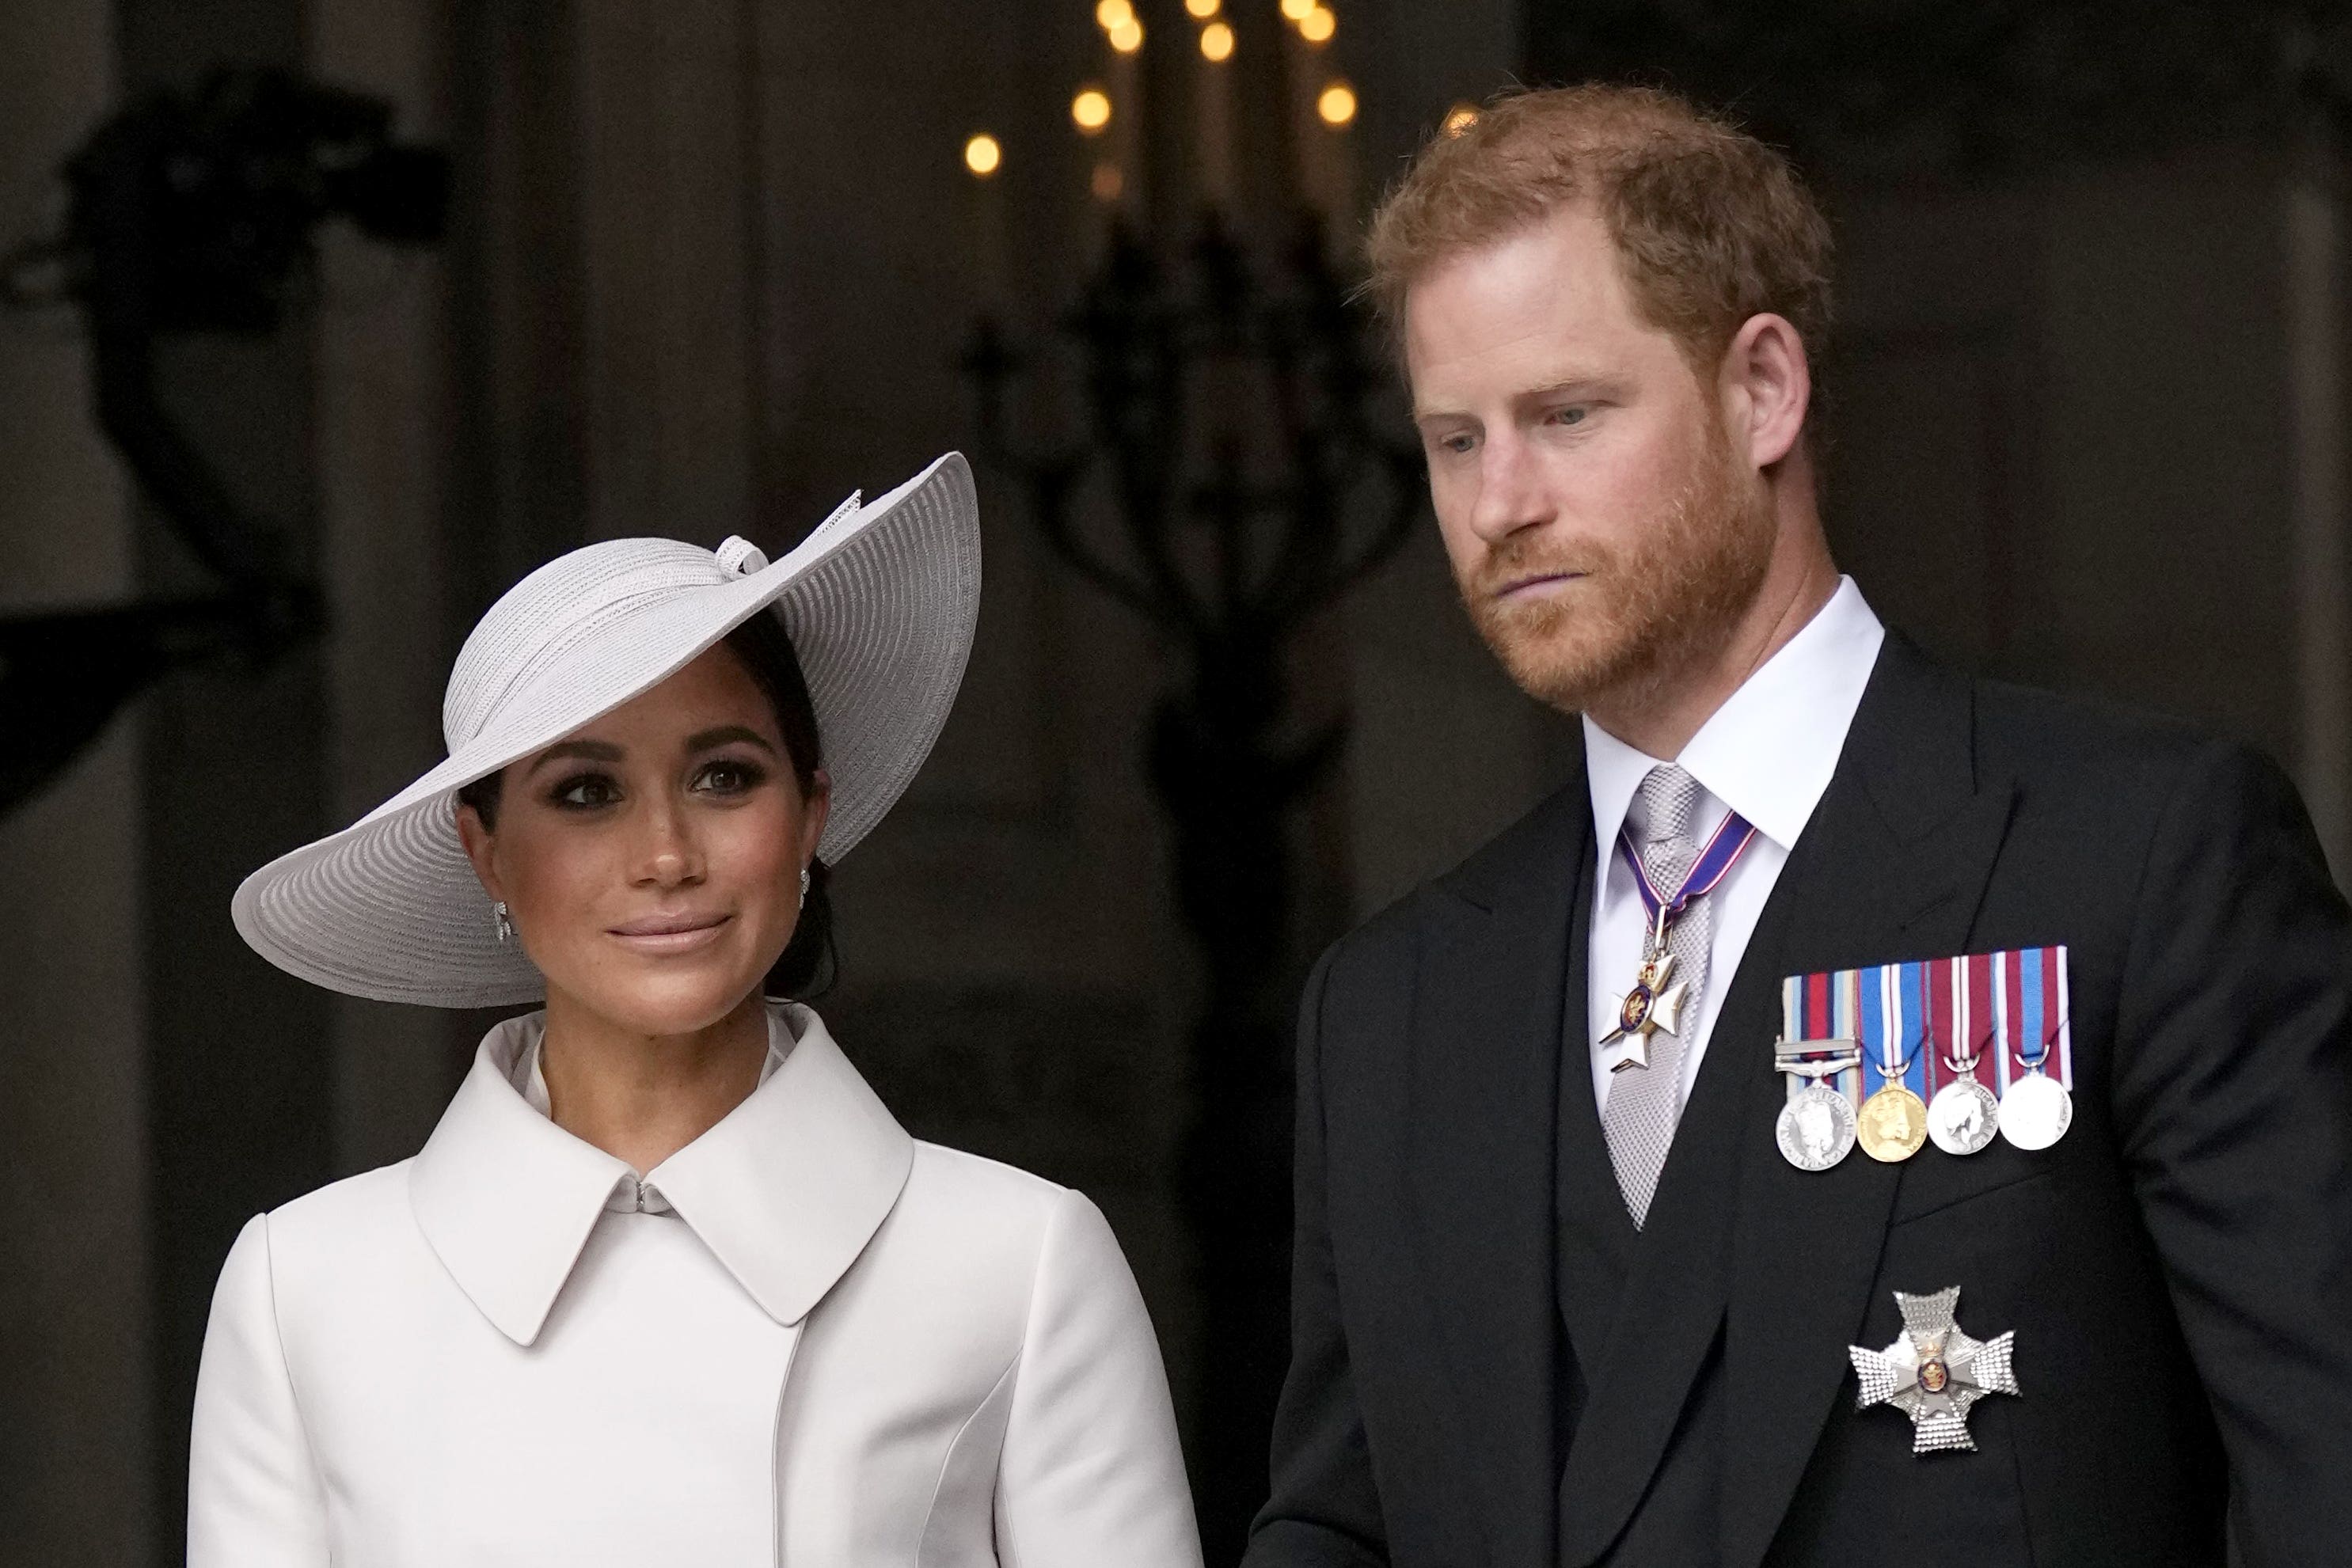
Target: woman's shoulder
x=986, y=1206
x=955, y=1182
x=333, y=1227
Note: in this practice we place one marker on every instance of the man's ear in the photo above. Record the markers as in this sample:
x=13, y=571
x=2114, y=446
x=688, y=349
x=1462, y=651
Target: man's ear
x=1766, y=386
x=476, y=837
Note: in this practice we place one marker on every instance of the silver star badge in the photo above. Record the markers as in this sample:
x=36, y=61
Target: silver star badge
x=1934, y=1373
x=1655, y=1003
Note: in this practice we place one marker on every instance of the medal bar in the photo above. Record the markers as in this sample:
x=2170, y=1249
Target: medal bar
x=1955, y=1051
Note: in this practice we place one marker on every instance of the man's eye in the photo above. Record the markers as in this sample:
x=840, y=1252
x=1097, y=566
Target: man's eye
x=1570, y=415
x=586, y=791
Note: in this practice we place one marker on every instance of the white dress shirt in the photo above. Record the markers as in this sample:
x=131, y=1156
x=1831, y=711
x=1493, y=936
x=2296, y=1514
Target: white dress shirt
x=832, y=1346
x=635, y=1194
x=1766, y=753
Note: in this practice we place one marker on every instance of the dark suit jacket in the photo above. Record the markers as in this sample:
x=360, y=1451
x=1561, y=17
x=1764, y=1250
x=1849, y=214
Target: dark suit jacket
x=1491, y=1366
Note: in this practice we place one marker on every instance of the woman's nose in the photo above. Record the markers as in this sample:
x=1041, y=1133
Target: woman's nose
x=669, y=855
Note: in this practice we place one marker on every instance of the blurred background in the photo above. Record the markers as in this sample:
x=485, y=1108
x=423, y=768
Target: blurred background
x=326, y=320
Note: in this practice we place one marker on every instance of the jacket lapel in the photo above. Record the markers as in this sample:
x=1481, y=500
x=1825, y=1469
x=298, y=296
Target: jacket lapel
x=1895, y=868
x=1892, y=865
x=1503, y=950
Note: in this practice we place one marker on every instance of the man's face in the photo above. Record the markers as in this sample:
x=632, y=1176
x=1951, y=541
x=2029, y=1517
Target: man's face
x=1601, y=528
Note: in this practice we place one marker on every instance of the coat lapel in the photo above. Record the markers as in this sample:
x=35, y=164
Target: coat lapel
x=1503, y=949
x=1895, y=867
x=1891, y=866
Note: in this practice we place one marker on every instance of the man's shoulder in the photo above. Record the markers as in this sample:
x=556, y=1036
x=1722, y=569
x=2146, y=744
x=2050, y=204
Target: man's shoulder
x=1548, y=833
x=2110, y=758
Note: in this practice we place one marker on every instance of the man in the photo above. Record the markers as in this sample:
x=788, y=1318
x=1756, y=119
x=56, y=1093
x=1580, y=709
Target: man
x=1586, y=1269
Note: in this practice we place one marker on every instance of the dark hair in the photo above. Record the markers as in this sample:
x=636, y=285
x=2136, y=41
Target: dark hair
x=809, y=963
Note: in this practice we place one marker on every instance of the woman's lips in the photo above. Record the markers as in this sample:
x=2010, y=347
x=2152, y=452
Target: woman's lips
x=666, y=935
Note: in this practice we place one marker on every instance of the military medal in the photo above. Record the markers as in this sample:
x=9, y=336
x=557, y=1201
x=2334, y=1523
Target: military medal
x=1844, y=1032
x=1655, y=1002
x=1934, y=1373
x=1821, y=1052
x=1893, y=1123
x=1816, y=1129
x=1963, y=1114
x=1657, y=999
x=2035, y=1108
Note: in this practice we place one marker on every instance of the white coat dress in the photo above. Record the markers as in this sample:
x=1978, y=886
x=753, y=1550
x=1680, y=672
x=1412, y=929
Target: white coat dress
x=803, y=1340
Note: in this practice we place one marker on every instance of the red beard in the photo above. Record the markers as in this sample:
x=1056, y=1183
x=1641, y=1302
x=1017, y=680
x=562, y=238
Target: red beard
x=1642, y=613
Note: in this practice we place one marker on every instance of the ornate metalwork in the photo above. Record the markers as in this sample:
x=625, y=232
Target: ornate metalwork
x=1233, y=425
x=191, y=213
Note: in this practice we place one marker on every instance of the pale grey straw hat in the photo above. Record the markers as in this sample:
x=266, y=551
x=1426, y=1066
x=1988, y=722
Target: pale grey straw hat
x=880, y=601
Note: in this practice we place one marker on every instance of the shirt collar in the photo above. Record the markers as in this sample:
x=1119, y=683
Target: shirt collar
x=786, y=1191
x=1769, y=751
x=637, y=1195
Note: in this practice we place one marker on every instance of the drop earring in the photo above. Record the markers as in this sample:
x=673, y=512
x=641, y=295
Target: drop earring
x=804, y=880
x=499, y=920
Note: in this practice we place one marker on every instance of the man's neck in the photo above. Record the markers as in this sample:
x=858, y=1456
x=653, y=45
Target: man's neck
x=1659, y=718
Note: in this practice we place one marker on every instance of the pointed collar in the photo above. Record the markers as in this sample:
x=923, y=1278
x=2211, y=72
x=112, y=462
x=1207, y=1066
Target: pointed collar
x=786, y=1191
x=1769, y=751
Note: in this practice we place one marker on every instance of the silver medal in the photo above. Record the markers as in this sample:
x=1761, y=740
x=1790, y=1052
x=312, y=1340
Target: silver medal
x=1962, y=1116
x=2036, y=1112
x=1935, y=1373
x=1816, y=1129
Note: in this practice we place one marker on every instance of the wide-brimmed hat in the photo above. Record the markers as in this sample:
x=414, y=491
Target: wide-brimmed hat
x=880, y=601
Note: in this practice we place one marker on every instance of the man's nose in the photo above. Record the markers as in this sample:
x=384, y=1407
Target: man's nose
x=1509, y=497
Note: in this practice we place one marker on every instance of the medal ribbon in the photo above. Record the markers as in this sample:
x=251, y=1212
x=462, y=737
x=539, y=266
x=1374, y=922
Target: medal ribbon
x=1731, y=839
x=1892, y=1029
x=2007, y=1010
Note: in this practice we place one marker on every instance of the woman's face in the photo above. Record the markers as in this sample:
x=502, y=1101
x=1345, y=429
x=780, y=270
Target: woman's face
x=651, y=861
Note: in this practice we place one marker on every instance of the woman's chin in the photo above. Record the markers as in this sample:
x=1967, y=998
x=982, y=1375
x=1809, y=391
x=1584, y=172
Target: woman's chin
x=682, y=1002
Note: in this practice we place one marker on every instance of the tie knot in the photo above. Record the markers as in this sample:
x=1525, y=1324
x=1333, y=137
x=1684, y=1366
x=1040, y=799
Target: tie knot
x=1668, y=796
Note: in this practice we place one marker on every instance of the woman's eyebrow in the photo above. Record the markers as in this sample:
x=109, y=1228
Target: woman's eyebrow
x=587, y=750
x=703, y=740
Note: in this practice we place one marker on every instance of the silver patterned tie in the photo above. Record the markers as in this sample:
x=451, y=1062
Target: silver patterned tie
x=1638, y=1122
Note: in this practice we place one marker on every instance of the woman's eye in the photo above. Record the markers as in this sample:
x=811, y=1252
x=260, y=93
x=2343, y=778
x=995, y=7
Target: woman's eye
x=586, y=791
x=731, y=778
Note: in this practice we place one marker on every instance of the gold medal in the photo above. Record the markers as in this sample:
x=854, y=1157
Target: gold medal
x=1893, y=1124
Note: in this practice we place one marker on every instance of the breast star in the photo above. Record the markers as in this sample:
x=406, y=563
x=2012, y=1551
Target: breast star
x=1934, y=1373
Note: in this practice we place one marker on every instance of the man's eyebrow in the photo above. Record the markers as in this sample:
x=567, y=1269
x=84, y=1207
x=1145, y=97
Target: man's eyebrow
x=587, y=750
x=721, y=735
x=1583, y=382
x=1578, y=382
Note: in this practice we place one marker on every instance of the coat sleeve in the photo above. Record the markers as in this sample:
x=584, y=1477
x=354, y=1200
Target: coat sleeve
x=2233, y=1099
x=1090, y=1472
x=254, y=1497
x=1325, y=1511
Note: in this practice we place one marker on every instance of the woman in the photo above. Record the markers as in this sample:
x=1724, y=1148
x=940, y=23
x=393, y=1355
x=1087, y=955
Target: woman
x=668, y=1284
